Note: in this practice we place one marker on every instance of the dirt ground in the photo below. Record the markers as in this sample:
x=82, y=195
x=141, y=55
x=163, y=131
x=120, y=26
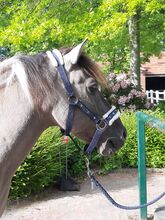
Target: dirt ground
x=90, y=204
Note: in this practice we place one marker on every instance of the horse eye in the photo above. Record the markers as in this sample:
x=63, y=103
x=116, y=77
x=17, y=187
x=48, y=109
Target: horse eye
x=91, y=85
x=93, y=89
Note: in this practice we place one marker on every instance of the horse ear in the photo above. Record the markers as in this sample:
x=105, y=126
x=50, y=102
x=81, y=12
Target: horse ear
x=72, y=57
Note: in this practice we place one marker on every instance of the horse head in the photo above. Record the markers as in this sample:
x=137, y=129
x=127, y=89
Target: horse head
x=86, y=80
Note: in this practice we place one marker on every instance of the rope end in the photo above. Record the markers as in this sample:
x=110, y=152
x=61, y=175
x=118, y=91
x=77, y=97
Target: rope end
x=66, y=139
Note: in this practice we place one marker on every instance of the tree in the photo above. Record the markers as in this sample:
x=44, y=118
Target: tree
x=134, y=36
x=43, y=24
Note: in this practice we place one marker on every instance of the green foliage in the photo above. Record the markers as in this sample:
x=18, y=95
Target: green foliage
x=127, y=155
x=43, y=24
x=161, y=106
x=42, y=166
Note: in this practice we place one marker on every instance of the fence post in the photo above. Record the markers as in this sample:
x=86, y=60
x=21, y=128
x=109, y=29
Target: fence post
x=157, y=96
x=142, y=167
x=151, y=96
x=151, y=121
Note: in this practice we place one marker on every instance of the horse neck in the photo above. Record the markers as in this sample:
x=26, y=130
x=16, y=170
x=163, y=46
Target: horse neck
x=20, y=127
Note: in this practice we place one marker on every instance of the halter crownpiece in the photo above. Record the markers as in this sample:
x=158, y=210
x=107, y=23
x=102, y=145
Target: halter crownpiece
x=101, y=122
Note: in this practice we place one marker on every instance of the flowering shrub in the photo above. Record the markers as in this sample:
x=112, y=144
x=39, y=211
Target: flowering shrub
x=124, y=94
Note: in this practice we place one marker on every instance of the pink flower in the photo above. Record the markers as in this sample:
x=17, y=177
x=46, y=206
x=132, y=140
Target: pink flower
x=133, y=91
x=148, y=105
x=128, y=81
x=112, y=76
x=130, y=96
x=116, y=87
x=121, y=77
x=123, y=100
x=139, y=94
x=123, y=84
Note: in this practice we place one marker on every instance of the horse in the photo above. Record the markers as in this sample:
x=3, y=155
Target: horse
x=33, y=97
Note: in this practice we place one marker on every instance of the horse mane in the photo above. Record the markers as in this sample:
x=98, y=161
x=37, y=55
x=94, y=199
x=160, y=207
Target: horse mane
x=36, y=79
x=32, y=73
x=40, y=78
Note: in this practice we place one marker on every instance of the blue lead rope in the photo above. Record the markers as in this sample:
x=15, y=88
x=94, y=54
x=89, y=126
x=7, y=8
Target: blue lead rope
x=110, y=199
x=106, y=194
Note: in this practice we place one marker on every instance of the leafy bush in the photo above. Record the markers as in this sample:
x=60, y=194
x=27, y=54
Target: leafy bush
x=161, y=106
x=42, y=166
x=127, y=155
x=124, y=94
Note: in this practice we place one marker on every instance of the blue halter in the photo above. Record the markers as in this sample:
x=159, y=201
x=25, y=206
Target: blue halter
x=101, y=123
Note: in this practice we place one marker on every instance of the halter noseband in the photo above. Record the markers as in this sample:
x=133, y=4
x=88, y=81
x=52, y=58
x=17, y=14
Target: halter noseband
x=101, y=123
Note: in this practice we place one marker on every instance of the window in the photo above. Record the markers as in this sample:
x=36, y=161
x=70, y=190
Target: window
x=155, y=83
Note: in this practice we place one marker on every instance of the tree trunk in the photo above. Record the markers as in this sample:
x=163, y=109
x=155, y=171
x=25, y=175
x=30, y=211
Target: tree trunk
x=134, y=34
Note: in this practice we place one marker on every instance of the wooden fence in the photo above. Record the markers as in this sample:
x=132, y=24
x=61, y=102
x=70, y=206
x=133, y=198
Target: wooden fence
x=155, y=95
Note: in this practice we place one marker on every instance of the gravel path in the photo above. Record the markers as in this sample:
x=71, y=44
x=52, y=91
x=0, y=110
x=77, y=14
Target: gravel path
x=90, y=204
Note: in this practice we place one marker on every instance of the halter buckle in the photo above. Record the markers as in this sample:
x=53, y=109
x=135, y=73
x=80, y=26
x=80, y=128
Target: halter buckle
x=101, y=124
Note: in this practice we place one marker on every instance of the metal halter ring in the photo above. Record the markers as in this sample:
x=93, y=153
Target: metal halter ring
x=73, y=100
x=101, y=125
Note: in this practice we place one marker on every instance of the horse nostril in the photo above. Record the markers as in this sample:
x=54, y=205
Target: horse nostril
x=109, y=141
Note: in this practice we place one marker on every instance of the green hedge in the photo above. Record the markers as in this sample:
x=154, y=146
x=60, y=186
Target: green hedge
x=42, y=168
x=127, y=156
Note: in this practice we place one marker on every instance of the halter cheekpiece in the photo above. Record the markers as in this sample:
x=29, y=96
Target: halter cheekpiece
x=101, y=122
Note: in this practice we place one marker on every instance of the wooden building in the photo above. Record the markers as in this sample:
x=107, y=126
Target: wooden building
x=153, y=78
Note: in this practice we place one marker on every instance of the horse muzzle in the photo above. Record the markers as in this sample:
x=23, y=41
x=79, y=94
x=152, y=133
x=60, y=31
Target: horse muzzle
x=112, y=144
